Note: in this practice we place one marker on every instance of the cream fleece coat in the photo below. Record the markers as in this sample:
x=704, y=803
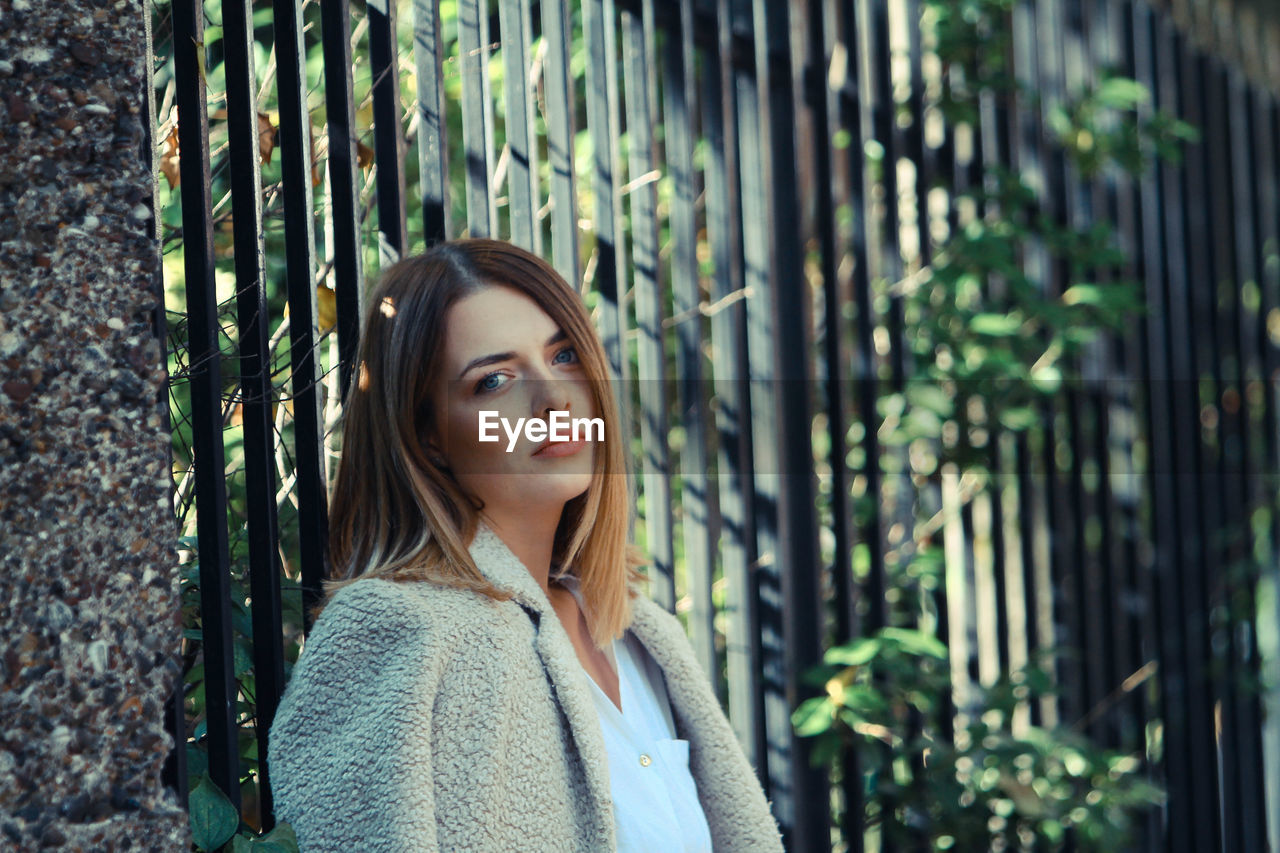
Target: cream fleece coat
x=420, y=718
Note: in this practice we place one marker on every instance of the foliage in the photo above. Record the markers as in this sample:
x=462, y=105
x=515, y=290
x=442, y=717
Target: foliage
x=215, y=823
x=1015, y=291
x=987, y=786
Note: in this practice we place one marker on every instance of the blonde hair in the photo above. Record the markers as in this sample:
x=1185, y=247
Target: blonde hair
x=397, y=515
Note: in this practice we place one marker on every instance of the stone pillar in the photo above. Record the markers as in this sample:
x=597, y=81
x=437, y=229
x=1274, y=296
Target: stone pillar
x=89, y=602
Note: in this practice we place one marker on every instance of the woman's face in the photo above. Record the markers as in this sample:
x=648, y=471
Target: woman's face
x=503, y=354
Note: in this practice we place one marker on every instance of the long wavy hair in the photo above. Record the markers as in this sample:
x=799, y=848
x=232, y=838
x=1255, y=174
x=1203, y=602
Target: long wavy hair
x=395, y=514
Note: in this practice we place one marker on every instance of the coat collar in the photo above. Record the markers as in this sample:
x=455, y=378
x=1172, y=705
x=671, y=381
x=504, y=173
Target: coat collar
x=503, y=568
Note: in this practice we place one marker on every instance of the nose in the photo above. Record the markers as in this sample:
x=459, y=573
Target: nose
x=549, y=395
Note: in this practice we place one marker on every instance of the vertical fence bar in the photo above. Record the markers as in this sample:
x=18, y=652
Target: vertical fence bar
x=340, y=127
x=1121, y=480
x=638, y=52
x=1164, y=640
x=1113, y=400
x=206, y=401
x=300, y=255
x=1088, y=402
x=388, y=138
x=477, y=117
x=1203, y=390
x=1248, y=717
x=728, y=338
x=522, y=176
x=679, y=102
x=255, y=380
x=1195, y=734
x=559, y=107
x=1025, y=157
x=433, y=162
x=610, y=269
x=831, y=70
x=173, y=773
x=756, y=240
x=1220, y=287
x=821, y=99
x=879, y=266
x=884, y=129
x=1107, y=407
x=866, y=253
x=1063, y=525
x=791, y=609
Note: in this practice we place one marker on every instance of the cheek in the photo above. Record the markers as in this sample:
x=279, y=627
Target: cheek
x=460, y=429
x=584, y=401
x=464, y=430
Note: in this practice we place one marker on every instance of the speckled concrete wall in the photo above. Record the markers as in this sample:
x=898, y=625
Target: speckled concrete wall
x=89, y=616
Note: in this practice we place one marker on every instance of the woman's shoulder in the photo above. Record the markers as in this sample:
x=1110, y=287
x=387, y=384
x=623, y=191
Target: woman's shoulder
x=396, y=605
x=373, y=625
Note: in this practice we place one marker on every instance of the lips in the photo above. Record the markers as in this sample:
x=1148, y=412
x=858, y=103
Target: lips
x=552, y=449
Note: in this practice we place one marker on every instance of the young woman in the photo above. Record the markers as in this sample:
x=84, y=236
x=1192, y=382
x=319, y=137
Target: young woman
x=483, y=674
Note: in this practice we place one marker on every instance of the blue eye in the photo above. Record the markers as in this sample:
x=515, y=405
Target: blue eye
x=484, y=386
x=569, y=350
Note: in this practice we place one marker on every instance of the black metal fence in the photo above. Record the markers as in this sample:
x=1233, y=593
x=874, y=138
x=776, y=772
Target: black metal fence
x=746, y=252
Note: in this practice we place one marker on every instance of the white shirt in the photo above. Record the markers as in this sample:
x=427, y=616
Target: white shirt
x=655, y=798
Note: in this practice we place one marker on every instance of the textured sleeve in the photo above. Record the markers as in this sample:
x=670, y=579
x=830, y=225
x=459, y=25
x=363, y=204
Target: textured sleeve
x=349, y=750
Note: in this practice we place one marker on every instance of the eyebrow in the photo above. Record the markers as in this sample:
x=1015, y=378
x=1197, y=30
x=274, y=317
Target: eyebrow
x=505, y=356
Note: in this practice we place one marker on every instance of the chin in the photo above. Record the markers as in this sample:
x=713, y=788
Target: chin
x=562, y=487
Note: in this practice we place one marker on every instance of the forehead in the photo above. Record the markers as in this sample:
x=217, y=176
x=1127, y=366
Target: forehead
x=496, y=319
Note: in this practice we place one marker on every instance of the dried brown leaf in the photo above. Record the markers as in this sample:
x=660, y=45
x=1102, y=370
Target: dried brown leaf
x=169, y=164
x=266, y=137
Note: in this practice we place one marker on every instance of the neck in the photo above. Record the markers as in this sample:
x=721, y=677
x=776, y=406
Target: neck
x=530, y=536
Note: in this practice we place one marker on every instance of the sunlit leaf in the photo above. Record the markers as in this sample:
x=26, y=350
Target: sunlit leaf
x=915, y=642
x=814, y=716
x=1122, y=93
x=995, y=325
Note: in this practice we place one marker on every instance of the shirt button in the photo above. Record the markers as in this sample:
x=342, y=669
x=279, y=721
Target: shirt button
x=644, y=760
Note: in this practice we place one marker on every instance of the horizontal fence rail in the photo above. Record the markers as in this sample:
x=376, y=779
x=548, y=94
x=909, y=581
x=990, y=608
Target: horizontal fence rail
x=755, y=200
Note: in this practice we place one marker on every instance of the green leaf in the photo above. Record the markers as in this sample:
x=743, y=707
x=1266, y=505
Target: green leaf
x=1018, y=418
x=212, y=817
x=813, y=716
x=197, y=761
x=1122, y=93
x=929, y=396
x=853, y=653
x=995, y=325
x=279, y=840
x=242, y=652
x=864, y=700
x=915, y=642
x=1047, y=379
x=825, y=750
x=1060, y=121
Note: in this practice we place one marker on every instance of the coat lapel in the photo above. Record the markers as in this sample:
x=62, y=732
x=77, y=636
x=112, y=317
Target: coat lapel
x=502, y=568
x=736, y=810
